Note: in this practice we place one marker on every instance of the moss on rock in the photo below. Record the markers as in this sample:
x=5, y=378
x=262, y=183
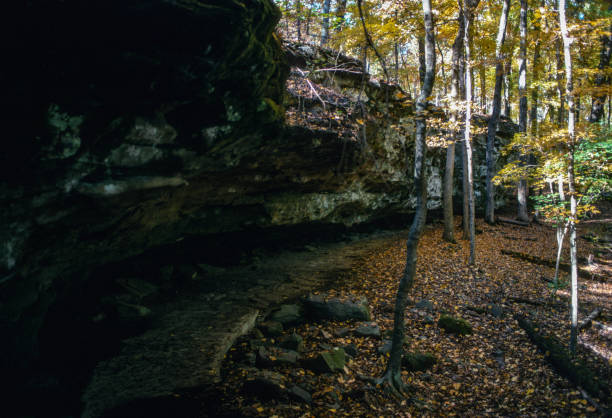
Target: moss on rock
x=417, y=361
x=454, y=325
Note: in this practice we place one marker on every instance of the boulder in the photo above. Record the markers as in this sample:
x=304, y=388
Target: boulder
x=275, y=356
x=454, y=325
x=265, y=385
x=342, y=332
x=269, y=385
x=424, y=304
x=299, y=394
x=271, y=328
x=327, y=361
x=496, y=310
x=287, y=315
x=415, y=362
x=335, y=309
x=368, y=329
x=385, y=347
x=292, y=342
x=351, y=350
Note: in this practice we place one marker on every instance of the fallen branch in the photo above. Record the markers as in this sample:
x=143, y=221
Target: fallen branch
x=555, y=353
x=312, y=87
x=589, y=319
x=527, y=301
x=512, y=221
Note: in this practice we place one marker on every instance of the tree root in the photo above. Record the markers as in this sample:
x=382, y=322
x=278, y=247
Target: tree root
x=392, y=384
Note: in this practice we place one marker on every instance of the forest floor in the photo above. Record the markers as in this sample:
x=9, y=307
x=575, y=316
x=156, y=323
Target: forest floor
x=495, y=371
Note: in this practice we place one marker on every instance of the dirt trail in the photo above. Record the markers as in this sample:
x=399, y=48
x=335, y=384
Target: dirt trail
x=191, y=334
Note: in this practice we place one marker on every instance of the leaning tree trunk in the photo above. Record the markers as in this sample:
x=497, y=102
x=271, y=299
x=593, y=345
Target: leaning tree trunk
x=522, y=189
x=455, y=93
x=493, y=120
x=393, y=374
x=468, y=9
x=569, y=92
x=597, y=106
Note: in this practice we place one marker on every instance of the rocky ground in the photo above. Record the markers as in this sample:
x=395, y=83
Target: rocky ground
x=465, y=352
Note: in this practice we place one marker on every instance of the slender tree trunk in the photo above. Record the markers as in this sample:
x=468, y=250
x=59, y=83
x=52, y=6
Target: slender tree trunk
x=483, y=87
x=455, y=93
x=561, y=231
x=393, y=375
x=468, y=10
x=298, y=18
x=522, y=189
x=569, y=91
x=492, y=128
x=308, y=19
x=507, y=87
x=465, y=215
x=421, y=42
x=560, y=92
x=325, y=24
x=535, y=76
x=340, y=11
x=396, y=54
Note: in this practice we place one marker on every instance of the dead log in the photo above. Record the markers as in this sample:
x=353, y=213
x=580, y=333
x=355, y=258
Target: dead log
x=527, y=301
x=574, y=369
x=512, y=221
x=584, y=273
x=604, y=330
x=589, y=319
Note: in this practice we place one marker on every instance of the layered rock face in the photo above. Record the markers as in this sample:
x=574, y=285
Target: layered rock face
x=130, y=125
x=120, y=119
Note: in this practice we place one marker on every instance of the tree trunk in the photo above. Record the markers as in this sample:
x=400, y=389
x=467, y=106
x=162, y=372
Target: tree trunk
x=308, y=19
x=507, y=88
x=569, y=92
x=492, y=128
x=298, y=18
x=560, y=92
x=340, y=11
x=535, y=76
x=522, y=188
x=483, y=87
x=325, y=24
x=393, y=375
x=455, y=93
x=468, y=9
x=421, y=42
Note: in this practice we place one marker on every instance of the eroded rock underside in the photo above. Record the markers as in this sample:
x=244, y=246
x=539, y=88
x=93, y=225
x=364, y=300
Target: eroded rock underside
x=130, y=126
